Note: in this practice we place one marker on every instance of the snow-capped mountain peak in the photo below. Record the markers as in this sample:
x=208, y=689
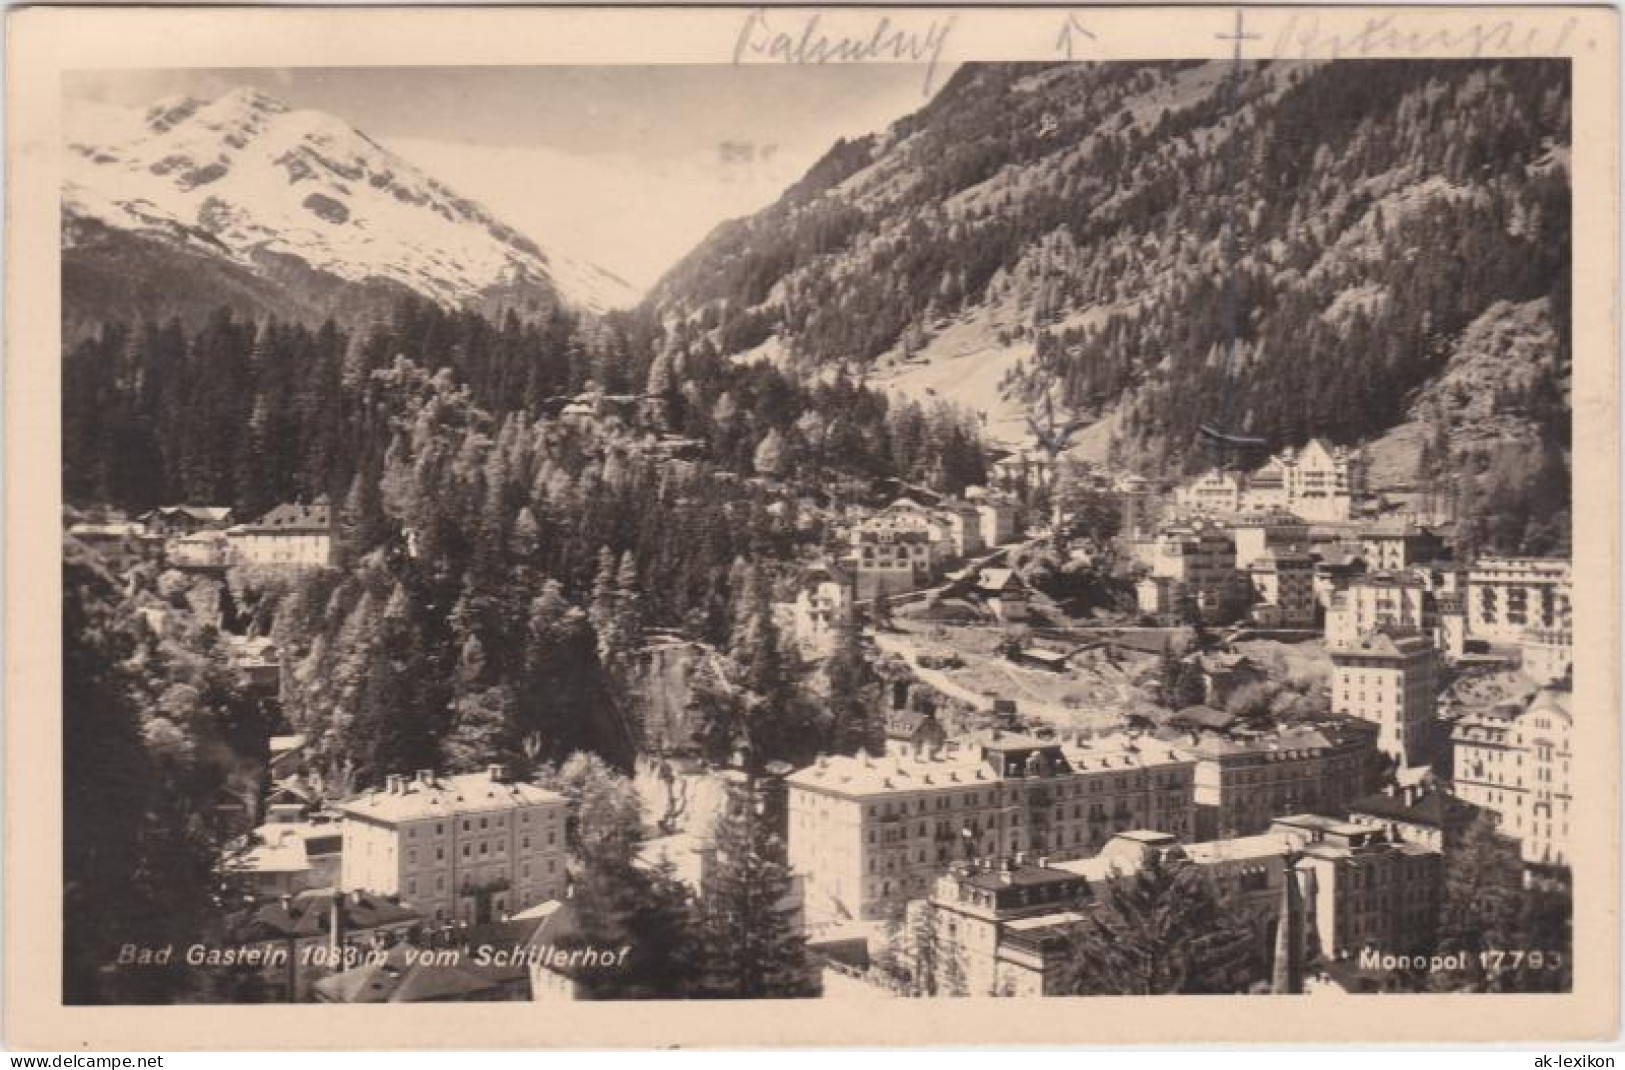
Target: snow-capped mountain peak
x=248, y=177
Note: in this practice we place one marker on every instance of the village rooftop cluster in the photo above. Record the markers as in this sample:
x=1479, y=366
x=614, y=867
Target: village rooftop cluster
x=1033, y=757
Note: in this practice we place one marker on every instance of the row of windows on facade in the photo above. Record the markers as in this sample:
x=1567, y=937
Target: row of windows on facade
x=486, y=847
x=1096, y=839
x=1097, y=812
x=1281, y=774
x=501, y=822
x=995, y=798
x=440, y=881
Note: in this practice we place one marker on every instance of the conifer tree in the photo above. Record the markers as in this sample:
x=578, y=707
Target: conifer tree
x=618, y=904
x=852, y=695
x=1161, y=931
x=628, y=613
x=395, y=727
x=1484, y=907
x=139, y=846
x=753, y=947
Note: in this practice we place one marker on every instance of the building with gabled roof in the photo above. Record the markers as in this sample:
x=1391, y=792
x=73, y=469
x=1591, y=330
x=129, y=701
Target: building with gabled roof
x=1004, y=592
x=289, y=537
x=173, y=520
x=301, y=938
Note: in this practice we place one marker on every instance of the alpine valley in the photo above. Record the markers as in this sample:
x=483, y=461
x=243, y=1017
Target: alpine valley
x=1187, y=441
x=1075, y=233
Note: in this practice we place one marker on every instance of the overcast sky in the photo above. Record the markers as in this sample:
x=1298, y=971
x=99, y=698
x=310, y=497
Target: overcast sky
x=627, y=167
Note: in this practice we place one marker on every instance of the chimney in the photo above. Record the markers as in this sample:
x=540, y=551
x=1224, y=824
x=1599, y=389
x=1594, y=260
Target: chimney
x=426, y=777
x=498, y=773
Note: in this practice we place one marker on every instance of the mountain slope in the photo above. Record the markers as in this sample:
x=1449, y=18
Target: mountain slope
x=303, y=210
x=1088, y=228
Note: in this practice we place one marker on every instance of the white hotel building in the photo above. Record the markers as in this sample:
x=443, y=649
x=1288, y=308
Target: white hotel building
x=871, y=833
x=470, y=848
x=1507, y=596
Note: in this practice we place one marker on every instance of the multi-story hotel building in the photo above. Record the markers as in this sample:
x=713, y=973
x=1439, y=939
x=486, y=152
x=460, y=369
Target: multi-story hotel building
x=1506, y=596
x=470, y=848
x=1317, y=482
x=1398, y=603
x=1215, y=493
x=891, y=562
x=288, y=537
x=1283, y=584
x=871, y=833
x=1548, y=654
x=1366, y=889
x=1517, y=763
x=1242, y=785
x=1388, y=680
x=1392, y=548
x=1418, y=814
x=1258, y=533
x=1003, y=928
x=825, y=595
x=1199, y=562
x=997, y=929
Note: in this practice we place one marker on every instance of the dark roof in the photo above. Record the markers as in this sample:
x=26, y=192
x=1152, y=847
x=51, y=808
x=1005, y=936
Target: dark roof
x=825, y=570
x=205, y=513
x=310, y=912
x=400, y=979
x=1200, y=717
x=1010, y=741
x=1434, y=809
x=291, y=518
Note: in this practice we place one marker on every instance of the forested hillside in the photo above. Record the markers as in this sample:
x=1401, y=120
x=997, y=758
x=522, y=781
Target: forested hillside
x=503, y=560
x=1350, y=220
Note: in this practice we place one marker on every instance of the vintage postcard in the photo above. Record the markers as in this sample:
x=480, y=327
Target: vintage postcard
x=959, y=526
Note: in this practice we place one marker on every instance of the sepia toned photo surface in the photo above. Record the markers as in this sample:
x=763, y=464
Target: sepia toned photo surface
x=960, y=514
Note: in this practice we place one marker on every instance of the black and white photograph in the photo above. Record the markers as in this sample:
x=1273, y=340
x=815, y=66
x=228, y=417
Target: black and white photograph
x=902, y=530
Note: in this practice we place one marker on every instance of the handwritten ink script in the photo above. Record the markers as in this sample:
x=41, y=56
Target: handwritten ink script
x=1072, y=30
x=1396, y=34
x=804, y=39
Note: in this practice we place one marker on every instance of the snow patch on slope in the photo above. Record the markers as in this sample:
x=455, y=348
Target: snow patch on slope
x=245, y=175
